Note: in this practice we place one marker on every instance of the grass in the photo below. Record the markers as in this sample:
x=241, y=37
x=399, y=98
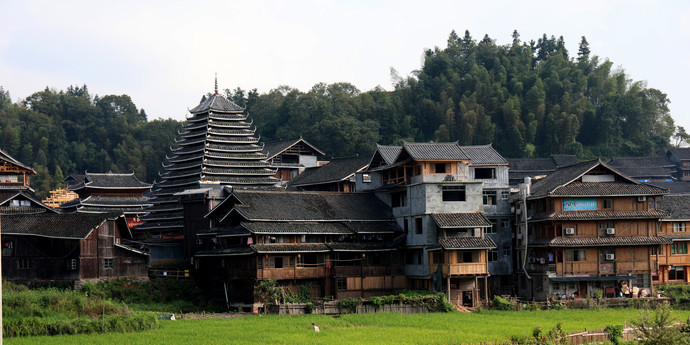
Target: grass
x=437, y=328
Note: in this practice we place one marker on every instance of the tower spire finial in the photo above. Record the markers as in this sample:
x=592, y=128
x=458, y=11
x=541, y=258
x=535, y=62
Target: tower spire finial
x=216, y=83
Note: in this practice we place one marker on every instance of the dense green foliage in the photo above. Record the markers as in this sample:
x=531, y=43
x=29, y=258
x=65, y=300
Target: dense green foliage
x=158, y=294
x=382, y=328
x=530, y=99
x=65, y=132
x=660, y=328
x=54, y=311
x=680, y=293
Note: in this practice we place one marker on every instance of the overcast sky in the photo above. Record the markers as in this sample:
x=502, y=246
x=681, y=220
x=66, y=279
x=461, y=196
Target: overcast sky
x=164, y=53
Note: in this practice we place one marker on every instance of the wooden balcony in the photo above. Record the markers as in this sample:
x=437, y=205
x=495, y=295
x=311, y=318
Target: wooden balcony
x=467, y=269
x=292, y=273
x=368, y=271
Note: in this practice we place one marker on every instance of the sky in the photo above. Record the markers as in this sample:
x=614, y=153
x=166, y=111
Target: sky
x=165, y=54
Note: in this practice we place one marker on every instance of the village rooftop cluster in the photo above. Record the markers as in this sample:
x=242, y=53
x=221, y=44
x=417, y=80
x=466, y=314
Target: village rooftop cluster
x=230, y=211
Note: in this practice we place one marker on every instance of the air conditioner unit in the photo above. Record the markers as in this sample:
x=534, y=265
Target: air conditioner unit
x=610, y=231
x=570, y=231
x=641, y=198
x=610, y=257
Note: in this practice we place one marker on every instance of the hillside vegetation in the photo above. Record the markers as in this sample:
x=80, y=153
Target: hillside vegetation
x=527, y=98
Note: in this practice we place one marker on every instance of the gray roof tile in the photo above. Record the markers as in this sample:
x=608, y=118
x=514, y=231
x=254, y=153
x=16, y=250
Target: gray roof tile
x=74, y=225
x=460, y=220
x=435, y=151
x=336, y=170
x=483, y=155
x=607, y=241
x=216, y=103
x=460, y=243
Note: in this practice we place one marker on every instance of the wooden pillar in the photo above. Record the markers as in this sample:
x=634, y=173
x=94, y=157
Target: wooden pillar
x=448, y=287
x=486, y=289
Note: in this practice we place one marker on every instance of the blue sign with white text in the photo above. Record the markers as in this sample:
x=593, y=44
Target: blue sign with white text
x=579, y=204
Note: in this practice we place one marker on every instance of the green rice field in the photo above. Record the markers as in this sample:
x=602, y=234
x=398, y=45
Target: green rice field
x=437, y=328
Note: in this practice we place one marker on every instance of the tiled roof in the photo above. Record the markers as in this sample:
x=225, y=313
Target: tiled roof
x=587, y=215
x=541, y=164
x=336, y=170
x=483, y=155
x=435, y=151
x=360, y=246
x=562, y=182
x=7, y=158
x=675, y=187
x=677, y=237
x=224, y=231
x=373, y=227
x=296, y=228
x=115, y=201
x=607, y=189
x=274, y=148
x=607, y=241
x=460, y=220
x=636, y=162
x=682, y=153
x=677, y=207
x=388, y=153
x=290, y=248
x=216, y=103
x=74, y=225
x=226, y=252
x=311, y=206
x=459, y=243
x=110, y=181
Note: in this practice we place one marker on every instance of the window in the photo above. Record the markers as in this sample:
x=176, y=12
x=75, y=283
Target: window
x=658, y=250
x=505, y=224
x=418, y=229
x=309, y=260
x=489, y=197
x=484, y=173
x=453, y=193
x=9, y=178
x=440, y=168
x=576, y=255
x=366, y=178
x=406, y=227
x=8, y=248
x=608, y=204
x=399, y=199
x=676, y=273
x=492, y=229
x=438, y=258
x=108, y=263
x=505, y=195
x=506, y=251
x=25, y=264
x=678, y=248
x=341, y=283
x=467, y=257
x=493, y=255
x=678, y=226
x=71, y=264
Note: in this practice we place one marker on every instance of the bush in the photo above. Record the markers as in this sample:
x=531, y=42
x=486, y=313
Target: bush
x=615, y=332
x=660, y=328
x=349, y=304
x=500, y=303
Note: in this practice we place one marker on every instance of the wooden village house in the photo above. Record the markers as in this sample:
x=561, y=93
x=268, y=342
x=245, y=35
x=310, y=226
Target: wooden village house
x=587, y=227
x=340, y=244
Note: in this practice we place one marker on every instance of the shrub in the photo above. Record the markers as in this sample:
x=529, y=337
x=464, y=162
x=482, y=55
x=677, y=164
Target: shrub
x=615, y=332
x=500, y=303
x=349, y=304
x=659, y=328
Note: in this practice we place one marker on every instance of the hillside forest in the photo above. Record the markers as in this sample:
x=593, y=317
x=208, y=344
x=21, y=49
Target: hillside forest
x=527, y=98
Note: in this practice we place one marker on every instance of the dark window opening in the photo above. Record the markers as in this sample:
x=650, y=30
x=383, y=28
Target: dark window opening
x=453, y=193
x=485, y=173
x=440, y=168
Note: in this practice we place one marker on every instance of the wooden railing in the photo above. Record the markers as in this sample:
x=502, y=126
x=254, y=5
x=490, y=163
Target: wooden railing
x=461, y=269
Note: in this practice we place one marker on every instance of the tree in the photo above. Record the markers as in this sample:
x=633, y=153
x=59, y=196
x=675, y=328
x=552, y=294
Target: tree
x=659, y=328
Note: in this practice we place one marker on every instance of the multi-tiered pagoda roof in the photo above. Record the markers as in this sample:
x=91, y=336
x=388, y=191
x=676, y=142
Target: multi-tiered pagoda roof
x=218, y=145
